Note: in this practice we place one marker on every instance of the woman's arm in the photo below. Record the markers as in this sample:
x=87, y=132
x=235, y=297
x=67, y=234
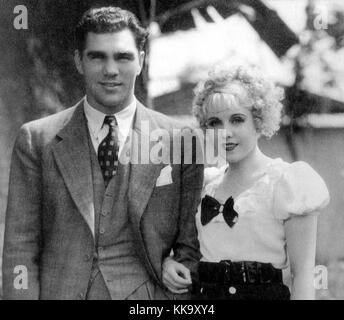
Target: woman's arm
x=301, y=246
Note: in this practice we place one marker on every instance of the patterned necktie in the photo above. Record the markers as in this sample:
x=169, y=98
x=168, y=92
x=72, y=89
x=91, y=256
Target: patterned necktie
x=108, y=150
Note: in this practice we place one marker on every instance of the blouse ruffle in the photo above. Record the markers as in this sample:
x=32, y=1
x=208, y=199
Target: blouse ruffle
x=284, y=189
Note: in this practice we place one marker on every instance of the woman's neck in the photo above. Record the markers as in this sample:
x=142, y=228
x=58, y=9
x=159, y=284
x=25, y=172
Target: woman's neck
x=245, y=169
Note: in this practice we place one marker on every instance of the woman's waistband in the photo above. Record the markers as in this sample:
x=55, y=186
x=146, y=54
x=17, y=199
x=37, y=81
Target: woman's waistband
x=248, y=272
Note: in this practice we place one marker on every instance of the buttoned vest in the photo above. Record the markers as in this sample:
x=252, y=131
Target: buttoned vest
x=115, y=249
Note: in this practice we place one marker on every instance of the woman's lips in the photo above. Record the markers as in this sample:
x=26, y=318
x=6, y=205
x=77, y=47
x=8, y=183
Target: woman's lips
x=230, y=146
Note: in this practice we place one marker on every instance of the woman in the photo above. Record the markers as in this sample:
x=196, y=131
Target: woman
x=257, y=214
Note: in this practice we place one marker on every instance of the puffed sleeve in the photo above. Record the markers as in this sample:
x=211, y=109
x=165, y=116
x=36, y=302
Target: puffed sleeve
x=299, y=190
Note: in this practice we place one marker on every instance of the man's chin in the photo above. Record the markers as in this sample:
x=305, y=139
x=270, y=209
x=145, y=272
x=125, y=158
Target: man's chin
x=111, y=103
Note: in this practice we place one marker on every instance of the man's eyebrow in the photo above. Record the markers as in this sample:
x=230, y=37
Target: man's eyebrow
x=128, y=54
x=95, y=53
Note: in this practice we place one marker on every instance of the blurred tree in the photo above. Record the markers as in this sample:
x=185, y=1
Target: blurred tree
x=319, y=63
x=40, y=59
x=319, y=75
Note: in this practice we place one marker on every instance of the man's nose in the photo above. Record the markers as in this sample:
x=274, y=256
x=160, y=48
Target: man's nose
x=110, y=68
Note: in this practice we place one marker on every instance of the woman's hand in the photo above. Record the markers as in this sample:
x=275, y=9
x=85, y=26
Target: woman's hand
x=175, y=276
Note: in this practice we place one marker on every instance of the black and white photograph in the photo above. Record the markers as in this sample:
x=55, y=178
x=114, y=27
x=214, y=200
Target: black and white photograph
x=180, y=150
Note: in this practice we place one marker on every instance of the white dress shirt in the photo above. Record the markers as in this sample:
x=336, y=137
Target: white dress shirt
x=98, y=132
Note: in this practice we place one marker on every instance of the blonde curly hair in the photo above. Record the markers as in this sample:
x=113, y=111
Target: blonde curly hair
x=263, y=96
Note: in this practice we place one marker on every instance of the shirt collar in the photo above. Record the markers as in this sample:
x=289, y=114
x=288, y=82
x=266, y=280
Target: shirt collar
x=95, y=118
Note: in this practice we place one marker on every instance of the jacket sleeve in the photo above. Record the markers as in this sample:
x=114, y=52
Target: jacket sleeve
x=186, y=248
x=23, y=222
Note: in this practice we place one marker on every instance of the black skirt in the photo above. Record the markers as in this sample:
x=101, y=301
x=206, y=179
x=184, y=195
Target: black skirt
x=244, y=280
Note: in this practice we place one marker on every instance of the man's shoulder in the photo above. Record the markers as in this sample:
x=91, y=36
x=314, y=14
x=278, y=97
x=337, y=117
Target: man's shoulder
x=169, y=123
x=42, y=131
x=161, y=119
x=184, y=130
x=51, y=122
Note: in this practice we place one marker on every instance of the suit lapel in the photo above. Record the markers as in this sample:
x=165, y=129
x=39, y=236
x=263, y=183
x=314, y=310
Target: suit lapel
x=73, y=159
x=143, y=175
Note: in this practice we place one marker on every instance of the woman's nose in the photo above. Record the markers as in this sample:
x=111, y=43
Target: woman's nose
x=228, y=131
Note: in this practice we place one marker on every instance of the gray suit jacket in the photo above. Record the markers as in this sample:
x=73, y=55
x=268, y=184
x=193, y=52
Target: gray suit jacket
x=50, y=215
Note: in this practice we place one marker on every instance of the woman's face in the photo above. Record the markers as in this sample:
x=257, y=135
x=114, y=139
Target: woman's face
x=238, y=133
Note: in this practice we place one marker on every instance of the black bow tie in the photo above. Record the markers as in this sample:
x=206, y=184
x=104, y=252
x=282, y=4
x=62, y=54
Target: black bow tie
x=210, y=208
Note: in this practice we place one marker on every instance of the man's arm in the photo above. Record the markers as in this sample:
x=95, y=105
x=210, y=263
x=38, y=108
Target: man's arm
x=186, y=248
x=23, y=222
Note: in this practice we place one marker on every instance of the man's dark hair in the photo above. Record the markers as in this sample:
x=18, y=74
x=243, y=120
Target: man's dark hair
x=107, y=20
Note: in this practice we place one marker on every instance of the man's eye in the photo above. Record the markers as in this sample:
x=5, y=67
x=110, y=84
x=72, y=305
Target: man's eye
x=95, y=57
x=125, y=58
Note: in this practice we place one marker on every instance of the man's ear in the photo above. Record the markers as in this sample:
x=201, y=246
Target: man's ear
x=77, y=61
x=141, y=61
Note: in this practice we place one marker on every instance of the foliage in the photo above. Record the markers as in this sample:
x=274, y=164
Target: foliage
x=319, y=60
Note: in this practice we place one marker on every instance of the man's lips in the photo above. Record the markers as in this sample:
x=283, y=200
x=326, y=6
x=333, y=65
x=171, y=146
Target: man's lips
x=110, y=84
x=230, y=146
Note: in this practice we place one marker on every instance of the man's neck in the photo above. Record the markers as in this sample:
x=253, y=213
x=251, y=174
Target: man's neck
x=110, y=109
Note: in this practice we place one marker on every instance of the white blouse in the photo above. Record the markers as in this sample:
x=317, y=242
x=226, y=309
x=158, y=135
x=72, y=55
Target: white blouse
x=280, y=191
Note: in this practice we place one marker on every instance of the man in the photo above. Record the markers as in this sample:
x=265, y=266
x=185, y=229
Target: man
x=82, y=221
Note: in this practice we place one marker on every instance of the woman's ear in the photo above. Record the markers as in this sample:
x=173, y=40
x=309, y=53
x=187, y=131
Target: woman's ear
x=257, y=124
x=258, y=132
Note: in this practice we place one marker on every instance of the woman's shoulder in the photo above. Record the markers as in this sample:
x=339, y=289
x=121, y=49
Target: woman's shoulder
x=279, y=169
x=294, y=172
x=298, y=189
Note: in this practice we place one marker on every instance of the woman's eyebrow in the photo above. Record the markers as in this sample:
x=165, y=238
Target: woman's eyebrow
x=239, y=114
x=213, y=118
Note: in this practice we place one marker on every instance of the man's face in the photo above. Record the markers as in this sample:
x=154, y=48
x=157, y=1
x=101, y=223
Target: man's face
x=110, y=64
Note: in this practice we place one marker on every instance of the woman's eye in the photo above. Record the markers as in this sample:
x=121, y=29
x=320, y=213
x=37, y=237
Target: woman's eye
x=238, y=120
x=212, y=123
